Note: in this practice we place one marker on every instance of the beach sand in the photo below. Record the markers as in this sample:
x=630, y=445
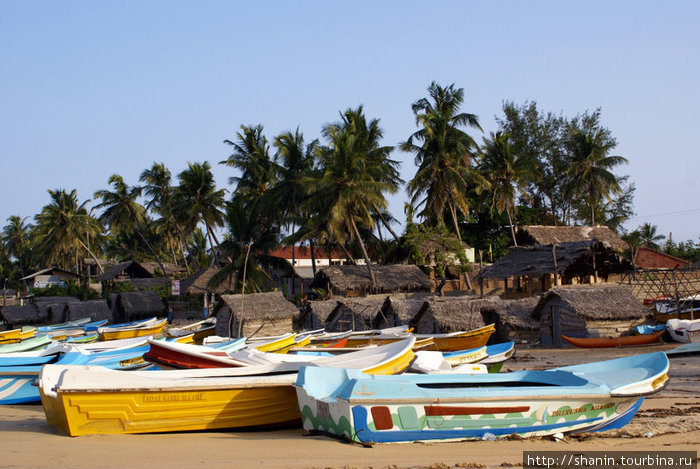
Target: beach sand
x=669, y=420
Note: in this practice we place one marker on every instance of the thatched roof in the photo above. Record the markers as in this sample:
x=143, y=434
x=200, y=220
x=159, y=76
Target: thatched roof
x=600, y=301
x=149, y=283
x=321, y=309
x=52, y=271
x=455, y=313
x=517, y=313
x=271, y=305
x=404, y=308
x=140, y=303
x=198, y=283
x=539, y=234
x=389, y=278
x=20, y=315
x=132, y=269
x=573, y=258
x=93, y=309
x=156, y=271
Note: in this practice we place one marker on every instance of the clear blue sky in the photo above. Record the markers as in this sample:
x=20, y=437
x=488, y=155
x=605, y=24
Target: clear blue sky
x=92, y=88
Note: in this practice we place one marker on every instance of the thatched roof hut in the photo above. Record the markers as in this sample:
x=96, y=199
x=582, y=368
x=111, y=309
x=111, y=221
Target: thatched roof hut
x=355, y=314
x=128, y=269
x=513, y=319
x=54, y=307
x=168, y=269
x=198, y=283
x=16, y=316
x=258, y=314
x=354, y=279
x=313, y=315
x=131, y=306
x=539, y=234
x=94, y=309
x=602, y=310
x=398, y=311
x=450, y=314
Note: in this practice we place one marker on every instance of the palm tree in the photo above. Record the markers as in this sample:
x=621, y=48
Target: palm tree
x=508, y=172
x=64, y=225
x=353, y=177
x=589, y=167
x=200, y=200
x=251, y=156
x=648, y=236
x=123, y=214
x=444, y=154
x=16, y=240
x=157, y=186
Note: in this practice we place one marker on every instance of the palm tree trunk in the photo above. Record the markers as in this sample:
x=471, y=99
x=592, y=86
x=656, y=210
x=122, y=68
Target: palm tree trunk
x=211, y=243
x=153, y=251
x=385, y=223
x=245, y=267
x=91, y=255
x=512, y=230
x=453, y=212
x=364, y=252
x=313, y=257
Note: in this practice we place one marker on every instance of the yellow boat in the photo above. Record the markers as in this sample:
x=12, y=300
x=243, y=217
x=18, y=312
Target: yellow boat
x=462, y=340
x=83, y=400
x=113, y=333
x=16, y=335
x=273, y=344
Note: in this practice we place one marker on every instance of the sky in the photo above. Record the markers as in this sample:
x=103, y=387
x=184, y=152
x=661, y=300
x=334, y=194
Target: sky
x=93, y=88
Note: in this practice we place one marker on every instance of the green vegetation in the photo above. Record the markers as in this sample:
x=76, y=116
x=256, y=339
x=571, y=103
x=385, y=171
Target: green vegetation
x=331, y=192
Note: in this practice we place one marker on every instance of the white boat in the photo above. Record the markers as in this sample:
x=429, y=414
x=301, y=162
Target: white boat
x=682, y=330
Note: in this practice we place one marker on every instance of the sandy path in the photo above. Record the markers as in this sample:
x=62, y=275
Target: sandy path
x=672, y=417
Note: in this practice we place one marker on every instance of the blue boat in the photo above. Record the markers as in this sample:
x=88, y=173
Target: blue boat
x=17, y=374
x=379, y=409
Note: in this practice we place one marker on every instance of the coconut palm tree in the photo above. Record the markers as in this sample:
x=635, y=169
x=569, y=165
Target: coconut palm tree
x=122, y=213
x=508, y=172
x=16, y=240
x=443, y=155
x=590, y=166
x=200, y=200
x=353, y=177
x=157, y=187
x=649, y=236
x=64, y=226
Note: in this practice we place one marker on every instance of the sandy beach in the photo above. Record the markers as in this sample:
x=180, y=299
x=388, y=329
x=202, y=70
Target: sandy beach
x=669, y=420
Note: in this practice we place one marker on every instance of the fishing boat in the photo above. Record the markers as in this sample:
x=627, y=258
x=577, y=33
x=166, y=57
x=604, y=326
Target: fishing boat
x=26, y=345
x=452, y=341
x=93, y=400
x=15, y=335
x=497, y=354
x=465, y=356
x=684, y=330
x=18, y=373
x=682, y=308
x=200, y=330
x=582, y=398
x=151, y=326
x=622, y=341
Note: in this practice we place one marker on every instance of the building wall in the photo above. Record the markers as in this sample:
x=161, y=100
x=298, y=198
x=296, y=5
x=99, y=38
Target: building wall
x=650, y=259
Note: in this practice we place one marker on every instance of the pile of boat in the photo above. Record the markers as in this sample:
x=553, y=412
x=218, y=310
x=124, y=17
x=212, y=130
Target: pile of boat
x=370, y=386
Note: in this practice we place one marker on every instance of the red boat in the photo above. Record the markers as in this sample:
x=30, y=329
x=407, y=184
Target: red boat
x=603, y=342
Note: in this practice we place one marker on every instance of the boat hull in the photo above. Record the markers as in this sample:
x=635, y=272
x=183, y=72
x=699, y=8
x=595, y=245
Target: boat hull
x=83, y=413
x=605, y=342
x=107, y=333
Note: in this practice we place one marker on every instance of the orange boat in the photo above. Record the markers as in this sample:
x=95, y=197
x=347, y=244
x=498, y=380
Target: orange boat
x=604, y=342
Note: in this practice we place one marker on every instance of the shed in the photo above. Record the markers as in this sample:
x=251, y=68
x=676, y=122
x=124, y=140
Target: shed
x=132, y=306
x=353, y=280
x=16, y=316
x=128, y=269
x=535, y=269
x=49, y=277
x=260, y=314
x=355, y=314
x=167, y=268
x=54, y=307
x=528, y=235
x=313, y=314
x=588, y=311
x=513, y=319
x=94, y=309
x=398, y=311
x=449, y=314
x=198, y=283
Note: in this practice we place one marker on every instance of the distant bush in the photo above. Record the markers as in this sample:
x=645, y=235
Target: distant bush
x=83, y=293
